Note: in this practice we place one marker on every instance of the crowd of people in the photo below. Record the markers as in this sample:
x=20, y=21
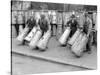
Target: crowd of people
x=85, y=21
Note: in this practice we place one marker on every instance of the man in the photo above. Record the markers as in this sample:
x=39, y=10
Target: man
x=53, y=23
x=95, y=28
x=87, y=30
x=31, y=22
x=43, y=24
x=73, y=24
x=20, y=20
x=14, y=22
x=81, y=19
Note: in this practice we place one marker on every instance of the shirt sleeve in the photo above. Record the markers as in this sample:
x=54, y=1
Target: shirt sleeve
x=27, y=21
x=77, y=23
x=68, y=23
x=90, y=26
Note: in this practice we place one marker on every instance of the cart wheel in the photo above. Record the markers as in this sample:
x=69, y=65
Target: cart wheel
x=69, y=46
x=77, y=56
x=42, y=50
x=63, y=45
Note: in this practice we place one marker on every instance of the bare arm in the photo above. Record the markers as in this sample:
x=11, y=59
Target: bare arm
x=90, y=27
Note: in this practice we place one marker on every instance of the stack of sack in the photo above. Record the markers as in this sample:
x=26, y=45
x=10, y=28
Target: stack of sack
x=78, y=42
x=79, y=45
x=26, y=34
x=31, y=34
x=74, y=37
x=35, y=38
x=65, y=36
x=43, y=42
x=22, y=35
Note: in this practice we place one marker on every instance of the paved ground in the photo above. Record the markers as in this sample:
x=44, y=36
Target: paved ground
x=28, y=65
x=58, y=54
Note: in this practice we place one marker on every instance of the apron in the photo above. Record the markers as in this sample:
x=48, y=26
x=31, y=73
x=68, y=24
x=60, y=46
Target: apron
x=43, y=25
x=85, y=28
x=73, y=28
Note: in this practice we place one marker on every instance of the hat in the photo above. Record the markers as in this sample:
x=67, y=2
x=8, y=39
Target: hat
x=73, y=16
x=42, y=16
x=86, y=14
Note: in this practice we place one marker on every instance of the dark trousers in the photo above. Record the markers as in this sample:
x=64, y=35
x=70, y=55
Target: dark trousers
x=43, y=31
x=73, y=30
x=95, y=37
x=17, y=28
x=52, y=28
x=25, y=41
x=89, y=43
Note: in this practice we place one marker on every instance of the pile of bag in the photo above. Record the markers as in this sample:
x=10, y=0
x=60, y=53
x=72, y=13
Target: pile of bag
x=35, y=38
x=65, y=36
x=78, y=42
x=42, y=44
x=23, y=34
x=74, y=37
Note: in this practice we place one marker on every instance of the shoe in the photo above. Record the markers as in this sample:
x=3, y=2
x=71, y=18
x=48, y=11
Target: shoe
x=42, y=50
x=78, y=56
x=63, y=45
x=46, y=47
x=36, y=48
x=85, y=51
x=21, y=44
x=89, y=52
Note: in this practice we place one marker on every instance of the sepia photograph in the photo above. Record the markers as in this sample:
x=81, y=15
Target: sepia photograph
x=53, y=37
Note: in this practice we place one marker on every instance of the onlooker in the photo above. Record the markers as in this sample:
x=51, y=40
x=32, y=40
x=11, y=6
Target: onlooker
x=20, y=20
x=43, y=24
x=53, y=23
x=14, y=21
x=30, y=24
x=87, y=30
x=95, y=28
x=73, y=24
